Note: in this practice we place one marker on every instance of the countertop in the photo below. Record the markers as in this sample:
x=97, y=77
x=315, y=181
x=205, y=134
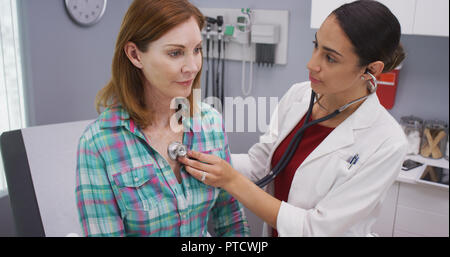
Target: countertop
x=411, y=176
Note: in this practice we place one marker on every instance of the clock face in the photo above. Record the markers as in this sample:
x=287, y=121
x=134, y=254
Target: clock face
x=86, y=12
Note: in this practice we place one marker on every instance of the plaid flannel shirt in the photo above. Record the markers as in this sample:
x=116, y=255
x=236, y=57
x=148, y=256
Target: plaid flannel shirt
x=125, y=188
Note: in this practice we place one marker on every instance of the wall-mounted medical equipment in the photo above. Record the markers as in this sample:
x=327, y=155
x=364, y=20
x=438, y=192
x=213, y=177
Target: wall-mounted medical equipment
x=266, y=38
x=247, y=35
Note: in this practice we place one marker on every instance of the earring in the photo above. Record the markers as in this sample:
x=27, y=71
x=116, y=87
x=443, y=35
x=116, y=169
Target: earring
x=362, y=78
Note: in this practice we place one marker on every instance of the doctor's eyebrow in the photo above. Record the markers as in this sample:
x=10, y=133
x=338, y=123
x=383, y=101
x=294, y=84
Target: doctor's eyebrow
x=327, y=48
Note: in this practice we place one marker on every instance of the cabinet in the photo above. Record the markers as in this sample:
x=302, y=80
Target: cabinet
x=421, y=211
x=386, y=220
x=412, y=210
x=404, y=11
x=431, y=18
x=321, y=9
x=415, y=209
x=416, y=17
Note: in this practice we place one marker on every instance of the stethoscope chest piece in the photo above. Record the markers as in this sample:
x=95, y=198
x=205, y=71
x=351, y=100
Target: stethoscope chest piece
x=175, y=150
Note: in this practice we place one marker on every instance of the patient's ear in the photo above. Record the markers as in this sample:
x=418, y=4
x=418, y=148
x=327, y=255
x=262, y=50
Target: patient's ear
x=133, y=54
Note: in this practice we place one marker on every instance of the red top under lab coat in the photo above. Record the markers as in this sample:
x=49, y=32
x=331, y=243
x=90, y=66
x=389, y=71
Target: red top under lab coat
x=312, y=137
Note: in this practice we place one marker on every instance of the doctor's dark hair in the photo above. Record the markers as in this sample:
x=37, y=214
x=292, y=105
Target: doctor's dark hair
x=374, y=32
x=144, y=22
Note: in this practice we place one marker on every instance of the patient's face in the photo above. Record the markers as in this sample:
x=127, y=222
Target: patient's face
x=172, y=62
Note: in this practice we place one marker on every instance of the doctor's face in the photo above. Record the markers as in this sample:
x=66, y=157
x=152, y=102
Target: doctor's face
x=333, y=67
x=172, y=62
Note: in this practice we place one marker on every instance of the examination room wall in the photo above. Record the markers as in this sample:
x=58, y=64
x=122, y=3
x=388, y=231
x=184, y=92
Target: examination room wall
x=65, y=66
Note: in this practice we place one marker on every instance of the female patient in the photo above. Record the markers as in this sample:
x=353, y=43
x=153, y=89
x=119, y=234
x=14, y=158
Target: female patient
x=126, y=183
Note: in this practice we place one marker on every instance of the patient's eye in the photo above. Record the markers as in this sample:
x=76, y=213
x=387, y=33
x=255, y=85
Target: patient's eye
x=175, y=53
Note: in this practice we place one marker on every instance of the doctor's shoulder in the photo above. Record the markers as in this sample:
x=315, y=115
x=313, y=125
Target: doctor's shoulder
x=391, y=128
x=297, y=92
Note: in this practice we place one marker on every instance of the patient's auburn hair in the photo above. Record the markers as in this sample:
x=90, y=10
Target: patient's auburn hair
x=144, y=22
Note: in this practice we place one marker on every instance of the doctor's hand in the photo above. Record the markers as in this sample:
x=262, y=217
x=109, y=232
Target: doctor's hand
x=210, y=169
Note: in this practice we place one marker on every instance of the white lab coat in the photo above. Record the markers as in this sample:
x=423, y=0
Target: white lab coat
x=327, y=198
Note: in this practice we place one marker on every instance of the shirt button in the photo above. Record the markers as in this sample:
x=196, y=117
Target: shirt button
x=136, y=179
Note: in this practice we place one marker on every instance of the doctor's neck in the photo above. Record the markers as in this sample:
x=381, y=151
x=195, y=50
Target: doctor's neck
x=333, y=101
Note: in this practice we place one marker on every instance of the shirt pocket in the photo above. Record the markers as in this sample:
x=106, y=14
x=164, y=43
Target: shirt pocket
x=139, y=189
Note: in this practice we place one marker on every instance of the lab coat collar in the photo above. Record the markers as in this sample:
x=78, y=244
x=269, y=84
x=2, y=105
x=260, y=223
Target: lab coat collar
x=366, y=114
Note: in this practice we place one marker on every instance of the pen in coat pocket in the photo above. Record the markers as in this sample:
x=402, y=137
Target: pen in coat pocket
x=354, y=160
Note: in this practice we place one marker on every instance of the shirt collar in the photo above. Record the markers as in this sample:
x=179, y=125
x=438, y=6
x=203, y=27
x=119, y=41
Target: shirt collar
x=117, y=116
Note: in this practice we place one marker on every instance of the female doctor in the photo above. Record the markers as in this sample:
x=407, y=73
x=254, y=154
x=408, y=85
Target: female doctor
x=339, y=175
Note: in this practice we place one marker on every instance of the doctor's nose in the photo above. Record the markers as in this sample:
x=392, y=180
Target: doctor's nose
x=313, y=64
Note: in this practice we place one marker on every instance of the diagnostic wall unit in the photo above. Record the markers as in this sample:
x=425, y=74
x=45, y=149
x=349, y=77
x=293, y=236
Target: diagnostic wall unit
x=237, y=51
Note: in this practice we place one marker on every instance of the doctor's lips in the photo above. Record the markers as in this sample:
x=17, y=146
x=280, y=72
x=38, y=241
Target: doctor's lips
x=313, y=80
x=185, y=83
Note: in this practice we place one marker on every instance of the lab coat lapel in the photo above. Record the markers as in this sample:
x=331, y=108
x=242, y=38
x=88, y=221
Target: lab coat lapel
x=293, y=117
x=294, y=114
x=340, y=137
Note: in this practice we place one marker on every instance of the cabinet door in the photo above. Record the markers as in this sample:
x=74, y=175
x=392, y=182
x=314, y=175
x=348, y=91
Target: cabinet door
x=404, y=11
x=385, y=222
x=422, y=210
x=432, y=18
x=320, y=9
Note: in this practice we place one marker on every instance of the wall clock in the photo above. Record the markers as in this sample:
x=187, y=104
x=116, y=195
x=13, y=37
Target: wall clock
x=86, y=12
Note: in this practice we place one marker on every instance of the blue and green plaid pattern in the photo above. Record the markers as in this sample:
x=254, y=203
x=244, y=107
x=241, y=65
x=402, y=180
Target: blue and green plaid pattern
x=125, y=188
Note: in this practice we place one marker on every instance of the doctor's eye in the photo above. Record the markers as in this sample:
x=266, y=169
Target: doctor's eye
x=330, y=59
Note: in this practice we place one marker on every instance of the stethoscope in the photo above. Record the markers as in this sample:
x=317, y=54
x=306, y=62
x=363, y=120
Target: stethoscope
x=176, y=149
